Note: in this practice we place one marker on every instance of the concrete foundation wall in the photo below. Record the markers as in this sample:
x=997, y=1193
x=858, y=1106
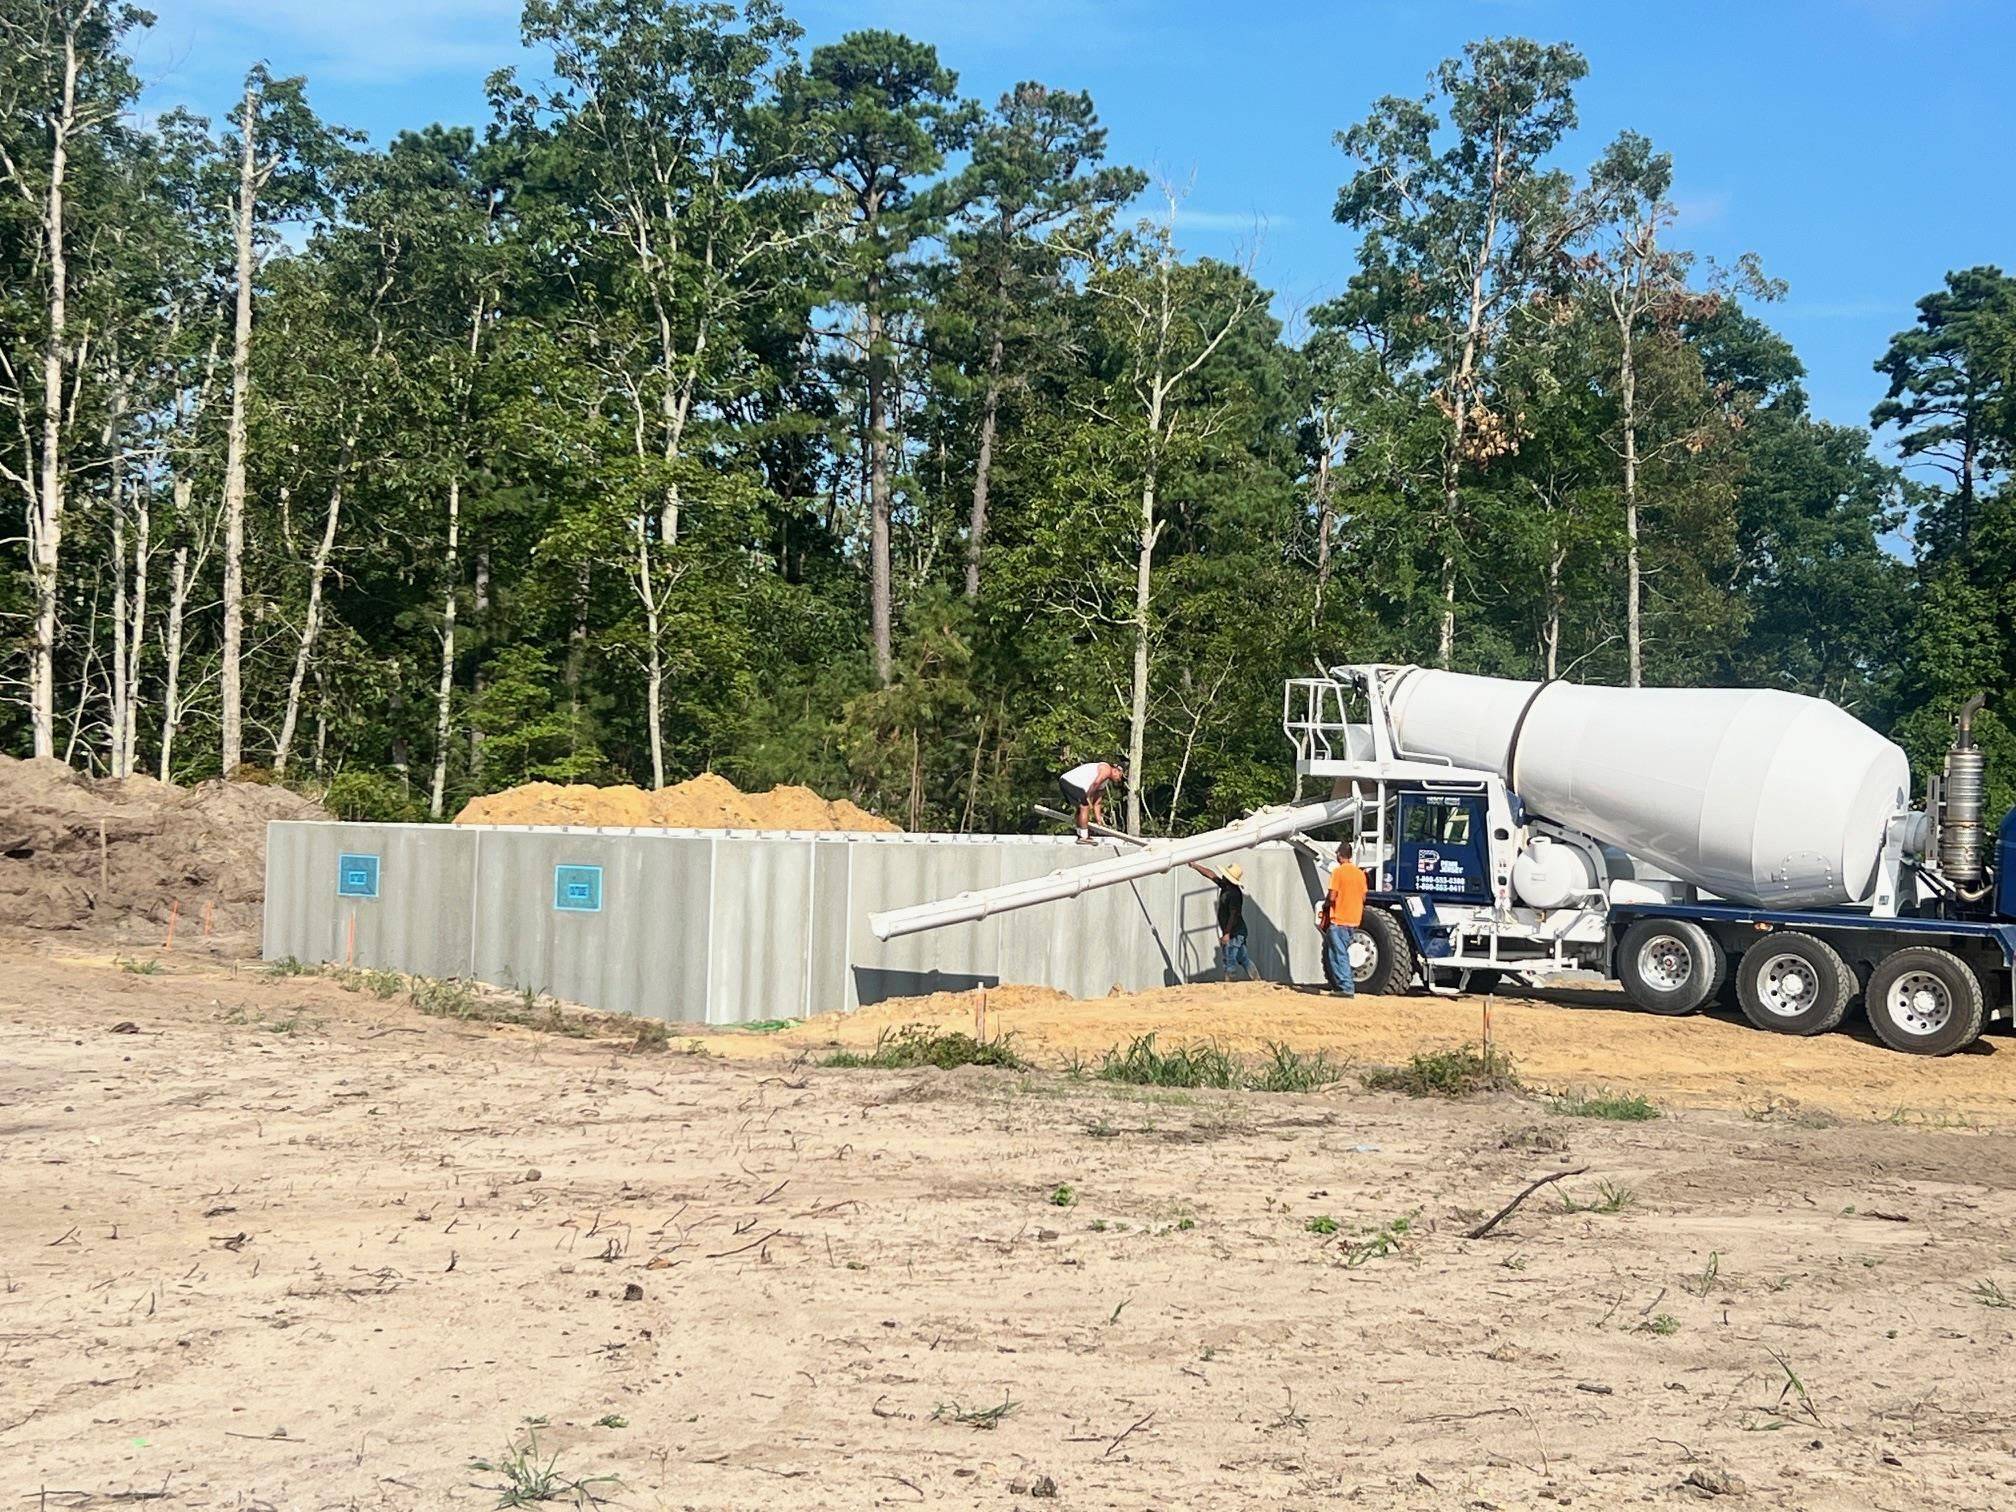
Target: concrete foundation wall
x=726, y=927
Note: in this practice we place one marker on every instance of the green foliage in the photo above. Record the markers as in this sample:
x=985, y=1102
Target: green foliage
x=1618, y=1107
x=371, y=797
x=642, y=334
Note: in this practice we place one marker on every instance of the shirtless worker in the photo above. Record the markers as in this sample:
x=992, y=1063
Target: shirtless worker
x=1338, y=916
x=1084, y=788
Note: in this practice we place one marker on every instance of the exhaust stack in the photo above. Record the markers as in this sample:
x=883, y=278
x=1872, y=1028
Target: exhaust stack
x=1960, y=802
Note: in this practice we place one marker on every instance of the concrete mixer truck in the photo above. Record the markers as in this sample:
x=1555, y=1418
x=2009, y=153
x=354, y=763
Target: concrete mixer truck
x=1696, y=845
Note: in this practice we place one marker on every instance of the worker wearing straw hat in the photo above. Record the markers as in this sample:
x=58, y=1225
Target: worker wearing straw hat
x=1232, y=953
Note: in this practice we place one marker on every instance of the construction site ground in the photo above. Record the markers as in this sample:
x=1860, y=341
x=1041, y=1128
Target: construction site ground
x=273, y=1241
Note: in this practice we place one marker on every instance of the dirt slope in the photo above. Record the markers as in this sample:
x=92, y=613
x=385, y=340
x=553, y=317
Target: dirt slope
x=111, y=858
x=704, y=802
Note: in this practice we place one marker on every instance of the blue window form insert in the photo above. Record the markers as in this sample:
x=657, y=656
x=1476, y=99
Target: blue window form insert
x=577, y=889
x=356, y=876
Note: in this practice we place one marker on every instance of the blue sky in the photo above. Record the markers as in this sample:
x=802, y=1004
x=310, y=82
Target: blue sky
x=1860, y=147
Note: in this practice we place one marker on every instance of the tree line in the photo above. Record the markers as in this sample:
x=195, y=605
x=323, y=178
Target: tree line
x=719, y=403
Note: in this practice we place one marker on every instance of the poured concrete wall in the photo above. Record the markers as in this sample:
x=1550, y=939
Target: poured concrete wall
x=726, y=927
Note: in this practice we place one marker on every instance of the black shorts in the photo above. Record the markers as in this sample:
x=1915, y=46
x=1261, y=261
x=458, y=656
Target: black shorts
x=1073, y=795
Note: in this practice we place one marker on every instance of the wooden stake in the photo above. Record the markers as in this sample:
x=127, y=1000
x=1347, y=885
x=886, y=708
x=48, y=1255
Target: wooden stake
x=174, y=909
x=350, y=942
x=104, y=872
x=207, y=912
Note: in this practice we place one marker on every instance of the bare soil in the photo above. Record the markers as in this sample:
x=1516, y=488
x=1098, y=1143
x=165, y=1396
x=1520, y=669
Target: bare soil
x=265, y=1242
x=708, y=801
x=116, y=859
x=1566, y=1039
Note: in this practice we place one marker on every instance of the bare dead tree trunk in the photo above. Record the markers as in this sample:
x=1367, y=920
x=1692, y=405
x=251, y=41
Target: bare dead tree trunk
x=480, y=606
x=1460, y=406
x=1633, y=627
x=45, y=516
x=231, y=686
x=143, y=531
x=878, y=490
x=311, y=624
x=1323, y=523
x=1144, y=569
x=178, y=602
x=976, y=530
x=654, y=686
x=115, y=734
x=1550, y=631
x=445, y=693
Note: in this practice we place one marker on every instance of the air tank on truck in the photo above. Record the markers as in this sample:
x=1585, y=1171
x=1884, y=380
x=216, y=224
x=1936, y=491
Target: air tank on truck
x=1696, y=844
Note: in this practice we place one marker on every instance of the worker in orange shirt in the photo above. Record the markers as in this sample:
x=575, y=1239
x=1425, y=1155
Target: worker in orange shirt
x=1339, y=915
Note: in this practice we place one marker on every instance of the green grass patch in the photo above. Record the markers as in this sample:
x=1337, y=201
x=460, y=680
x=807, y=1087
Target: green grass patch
x=527, y=1479
x=1146, y=1063
x=1615, y=1106
x=984, y=1418
x=1377, y=1242
x=1446, y=1073
x=918, y=1045
x=768, y=1026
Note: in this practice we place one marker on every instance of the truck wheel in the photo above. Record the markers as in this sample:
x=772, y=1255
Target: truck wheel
x=1382, y=960
x=1925, y=1001
x=1794, y=984
x=1670, y=966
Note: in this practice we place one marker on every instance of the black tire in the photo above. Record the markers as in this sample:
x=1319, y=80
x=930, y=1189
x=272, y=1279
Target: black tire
x=1670, y=966
x=1388, y=968
x=1925, y=1001
x=1792, y=983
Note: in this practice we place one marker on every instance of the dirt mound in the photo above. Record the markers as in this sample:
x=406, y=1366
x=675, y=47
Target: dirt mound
x=708, y=801
x=113, y=858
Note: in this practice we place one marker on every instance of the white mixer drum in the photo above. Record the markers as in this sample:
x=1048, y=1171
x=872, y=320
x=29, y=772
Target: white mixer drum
x=1756, y=795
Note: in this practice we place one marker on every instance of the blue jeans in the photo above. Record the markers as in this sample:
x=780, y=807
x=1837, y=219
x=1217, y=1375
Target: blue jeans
x=1233, y=956
x=1337, y=959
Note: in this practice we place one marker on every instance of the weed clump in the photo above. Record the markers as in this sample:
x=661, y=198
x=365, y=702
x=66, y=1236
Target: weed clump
x=1615, y=1106
x=1144, y=1063
x=1446, y=1073
x=528, y=1480
x=917, y=1045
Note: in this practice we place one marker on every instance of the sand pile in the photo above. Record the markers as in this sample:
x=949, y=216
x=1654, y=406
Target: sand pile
x=112, y=857
x=704, y=802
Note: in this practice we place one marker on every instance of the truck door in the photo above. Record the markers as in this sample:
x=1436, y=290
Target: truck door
x=1441, y=850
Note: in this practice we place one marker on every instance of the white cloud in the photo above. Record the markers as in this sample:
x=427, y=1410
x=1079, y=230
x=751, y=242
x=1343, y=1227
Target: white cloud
x=1698, y=210
x=360, y=41
x=1228, y=220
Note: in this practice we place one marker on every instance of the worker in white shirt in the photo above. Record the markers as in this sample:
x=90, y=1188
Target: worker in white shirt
x=1084, y=788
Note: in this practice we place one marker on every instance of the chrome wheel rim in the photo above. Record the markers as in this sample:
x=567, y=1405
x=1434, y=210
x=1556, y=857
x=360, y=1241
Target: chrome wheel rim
x=1362, y=954
x=1788, y=985
x=1919, y=1003
x=1665, y=962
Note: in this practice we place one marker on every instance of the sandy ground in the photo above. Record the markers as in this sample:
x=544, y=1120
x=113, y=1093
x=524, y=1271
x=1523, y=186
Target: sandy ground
x=265, y=1243
x=1567, y=1039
